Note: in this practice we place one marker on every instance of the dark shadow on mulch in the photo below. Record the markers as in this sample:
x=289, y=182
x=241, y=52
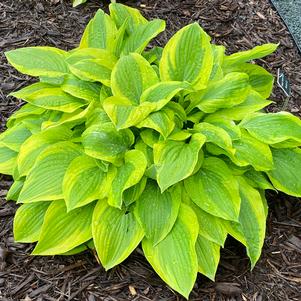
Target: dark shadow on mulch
x=237, y=25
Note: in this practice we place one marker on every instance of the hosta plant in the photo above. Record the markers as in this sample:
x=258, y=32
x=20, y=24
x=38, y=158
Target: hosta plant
x=168, y=147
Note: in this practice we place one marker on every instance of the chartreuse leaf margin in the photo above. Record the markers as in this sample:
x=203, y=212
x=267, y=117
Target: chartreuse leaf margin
x=169, y=148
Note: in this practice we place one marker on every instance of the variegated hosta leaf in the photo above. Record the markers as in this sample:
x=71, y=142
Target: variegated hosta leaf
x=57, y=119
x=92, y=64
x=55, y=81
x=211, y=227
x=79, y=55
x=215, y=135
x=35, y=144
x=15, y=174
x=33, y=123
x=254, y=102
x=151, y=172
x=260, y=80
x=150, y=137
x=161, y=121
x=88, y=245
x=178, y=109
x=174, y=258
x=97, y=116
x=142, y=35
x=84, y=182
x=14, y=137
x=176, y=156
x=121, y=35
x=195, y=116
x=28, y=221
x=121, y=13
x=199, y=162
x=104, y=142
x=248, y=55
x=49, y=97
x=250, y=151
x=24, y=112
x=250, y=229
x=44, y=181
x=225, y=93
x=125, y=176
x=218, y=52
x=188, y=57
x=265, y=203
x=257, y=179
x=214, y=189
x=273, y=128
x=39, y=61
x=82, y=54
x=14, y=190
x=8, y=160
x=286, y=173
x=225, y=123
x=131, y=76
x=116, y=233
x=132, y=194
x=62, y=231
x=179, y=136
x=161, y=93
x=208, y=254
x=124, y=114
x=93, y=70
x=157, y=212
x=100, y=32
x=81, y=89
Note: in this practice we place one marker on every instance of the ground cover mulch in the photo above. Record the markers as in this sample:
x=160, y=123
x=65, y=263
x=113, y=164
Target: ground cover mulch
x=237, y=24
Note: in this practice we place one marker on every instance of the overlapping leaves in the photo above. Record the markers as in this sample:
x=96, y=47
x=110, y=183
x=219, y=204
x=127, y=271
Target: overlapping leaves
x=119, y=145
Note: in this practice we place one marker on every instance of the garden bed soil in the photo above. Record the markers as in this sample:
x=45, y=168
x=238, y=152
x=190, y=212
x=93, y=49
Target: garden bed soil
x=237, y=24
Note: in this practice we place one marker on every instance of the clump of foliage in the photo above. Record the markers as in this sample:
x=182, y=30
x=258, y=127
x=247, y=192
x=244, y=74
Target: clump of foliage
x=118, y=145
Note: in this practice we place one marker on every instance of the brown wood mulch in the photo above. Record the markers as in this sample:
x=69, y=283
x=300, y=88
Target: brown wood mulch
x=237, y=24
